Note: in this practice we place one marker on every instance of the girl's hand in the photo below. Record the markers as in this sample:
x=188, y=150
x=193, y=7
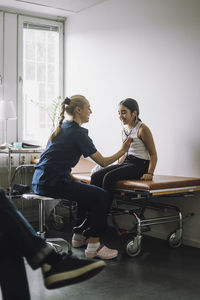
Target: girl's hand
x=75, y=179
x=147, y=176
x=126, y=144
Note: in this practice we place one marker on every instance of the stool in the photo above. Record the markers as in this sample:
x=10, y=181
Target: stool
x=41, y=232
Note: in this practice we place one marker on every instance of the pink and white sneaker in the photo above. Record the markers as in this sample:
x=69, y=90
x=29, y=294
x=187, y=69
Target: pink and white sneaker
x=102, y=252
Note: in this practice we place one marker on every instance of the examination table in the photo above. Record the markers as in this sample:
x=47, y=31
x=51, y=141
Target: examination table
x=134, y=197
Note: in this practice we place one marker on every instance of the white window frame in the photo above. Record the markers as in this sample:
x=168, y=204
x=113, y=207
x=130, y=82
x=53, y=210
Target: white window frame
x=1, y=73
x=1, y=55
x=37, y=21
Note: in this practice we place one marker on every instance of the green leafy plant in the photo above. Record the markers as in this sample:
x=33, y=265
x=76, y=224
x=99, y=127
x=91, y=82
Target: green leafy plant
x=53, y=110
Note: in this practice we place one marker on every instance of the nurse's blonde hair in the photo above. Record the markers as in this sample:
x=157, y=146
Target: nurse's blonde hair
x=68, y=105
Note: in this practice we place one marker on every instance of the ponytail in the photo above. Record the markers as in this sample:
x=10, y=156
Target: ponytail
x=62, y=116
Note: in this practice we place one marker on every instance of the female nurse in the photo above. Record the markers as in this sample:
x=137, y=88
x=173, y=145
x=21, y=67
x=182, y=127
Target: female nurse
x=52, y=176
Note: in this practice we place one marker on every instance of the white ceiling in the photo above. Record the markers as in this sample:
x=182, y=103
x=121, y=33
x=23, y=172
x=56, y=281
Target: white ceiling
x=61, y=8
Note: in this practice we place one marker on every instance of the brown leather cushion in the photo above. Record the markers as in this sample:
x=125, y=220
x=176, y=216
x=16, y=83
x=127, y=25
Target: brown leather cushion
x=158, y=182
x=83, y=168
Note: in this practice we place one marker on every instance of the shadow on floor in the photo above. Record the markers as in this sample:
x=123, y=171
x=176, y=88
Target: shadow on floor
x=160, y=272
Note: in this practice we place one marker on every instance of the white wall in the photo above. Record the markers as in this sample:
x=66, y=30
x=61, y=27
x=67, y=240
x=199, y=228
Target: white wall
x=148, y=50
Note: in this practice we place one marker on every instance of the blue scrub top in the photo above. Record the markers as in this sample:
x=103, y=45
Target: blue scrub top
x=62, y=154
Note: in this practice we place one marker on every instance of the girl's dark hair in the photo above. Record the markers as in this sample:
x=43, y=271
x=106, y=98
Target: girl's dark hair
x=132, y=105
x=68, y=106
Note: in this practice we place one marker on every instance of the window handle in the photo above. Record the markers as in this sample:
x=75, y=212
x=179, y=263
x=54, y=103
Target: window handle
x=1, y=79
x=20, y=79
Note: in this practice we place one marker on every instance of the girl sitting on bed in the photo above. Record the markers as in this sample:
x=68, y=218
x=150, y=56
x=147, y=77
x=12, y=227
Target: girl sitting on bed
x=140, y=160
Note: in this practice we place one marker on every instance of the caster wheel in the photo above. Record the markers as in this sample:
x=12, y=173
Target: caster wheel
x=57, y=248
x=58, y=222
x=174, y=240
x=132, y=247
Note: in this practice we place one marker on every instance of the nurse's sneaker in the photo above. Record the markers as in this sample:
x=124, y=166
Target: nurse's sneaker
x=78, y=240
x=69, y=270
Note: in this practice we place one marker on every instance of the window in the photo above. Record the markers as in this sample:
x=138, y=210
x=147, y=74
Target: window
x=1, y=55
x=40, y=77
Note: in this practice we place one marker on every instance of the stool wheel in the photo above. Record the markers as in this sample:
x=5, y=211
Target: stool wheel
x=56, y=247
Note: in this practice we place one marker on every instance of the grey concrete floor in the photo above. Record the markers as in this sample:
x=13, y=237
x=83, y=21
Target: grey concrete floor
x=160, y=272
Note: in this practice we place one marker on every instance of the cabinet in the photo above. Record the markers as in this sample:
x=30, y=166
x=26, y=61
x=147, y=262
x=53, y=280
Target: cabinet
x=20, y=152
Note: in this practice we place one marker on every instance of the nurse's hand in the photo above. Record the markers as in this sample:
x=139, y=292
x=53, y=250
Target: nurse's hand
x=126, y=144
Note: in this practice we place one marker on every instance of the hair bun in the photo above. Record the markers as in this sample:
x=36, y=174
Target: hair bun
x=67, y=100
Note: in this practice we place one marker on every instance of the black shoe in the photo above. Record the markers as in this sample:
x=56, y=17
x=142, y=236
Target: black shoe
x=70, y=270
x=79, y=229
x=87, y=233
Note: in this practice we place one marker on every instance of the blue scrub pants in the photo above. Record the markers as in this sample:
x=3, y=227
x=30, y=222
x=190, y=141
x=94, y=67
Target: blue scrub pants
x=92, y=202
